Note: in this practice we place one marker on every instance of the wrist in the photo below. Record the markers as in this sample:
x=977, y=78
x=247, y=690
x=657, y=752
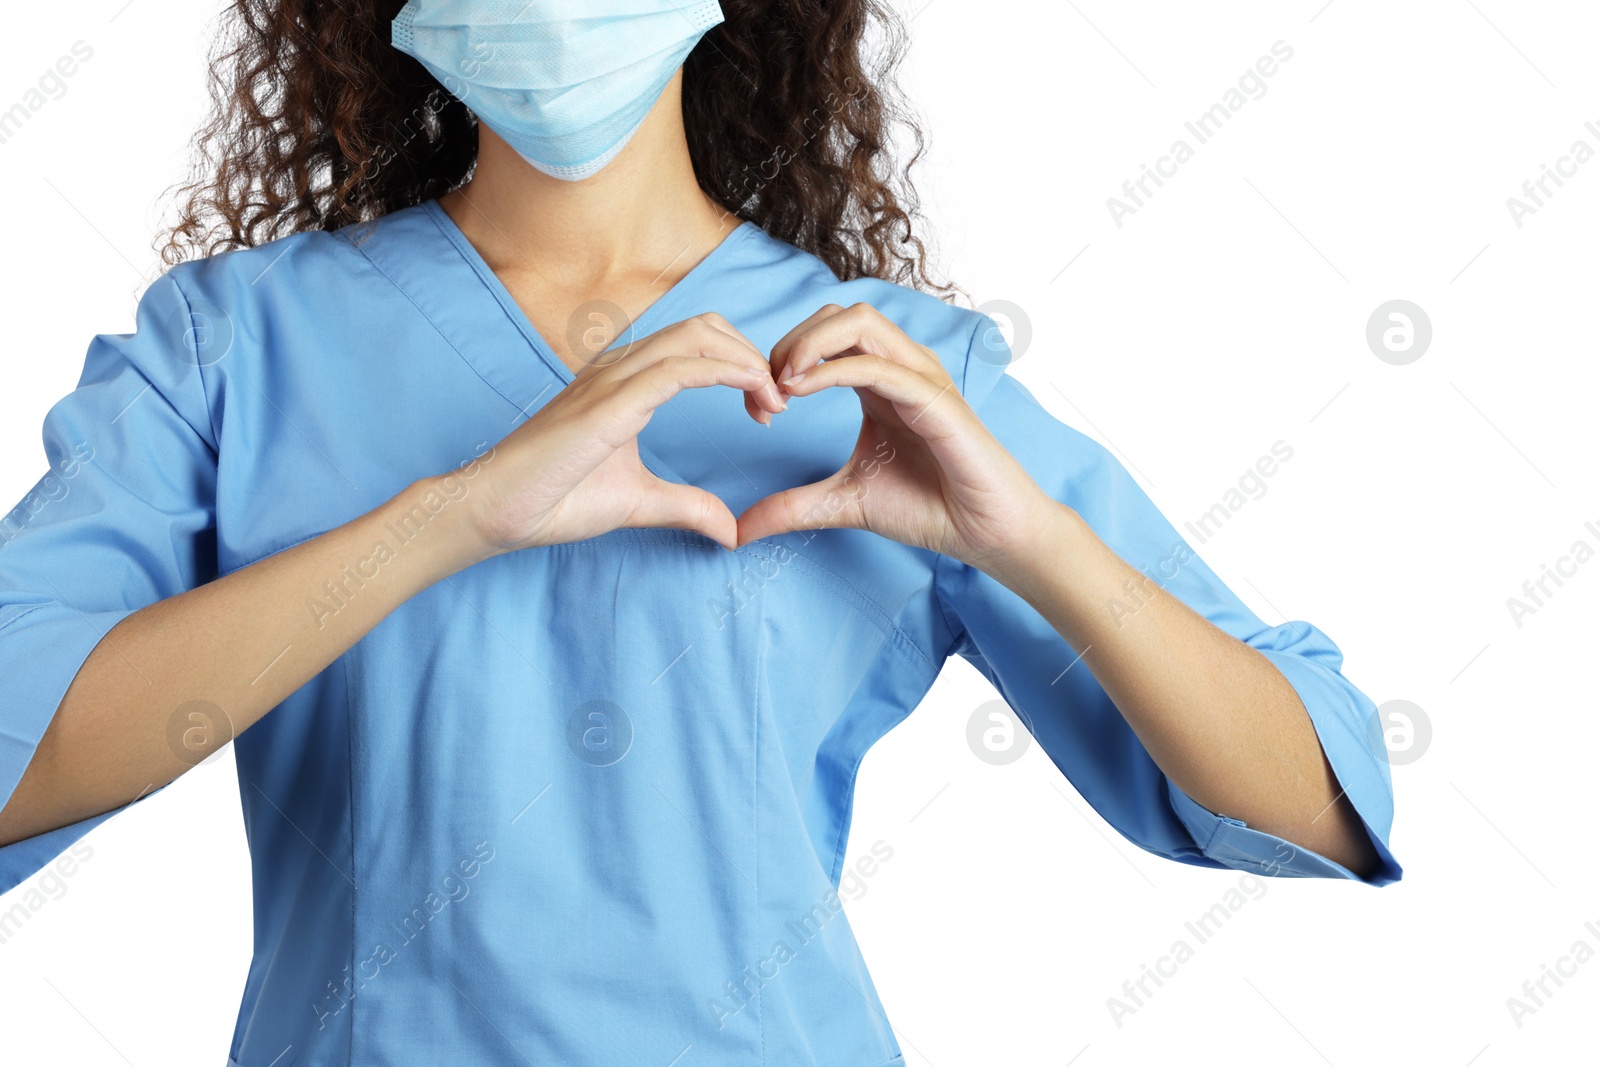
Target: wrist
x=437, y=514
x=1041, y=552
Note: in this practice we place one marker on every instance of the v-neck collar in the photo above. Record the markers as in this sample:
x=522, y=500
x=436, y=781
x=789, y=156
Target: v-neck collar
x=422, y=252
x=647, y=322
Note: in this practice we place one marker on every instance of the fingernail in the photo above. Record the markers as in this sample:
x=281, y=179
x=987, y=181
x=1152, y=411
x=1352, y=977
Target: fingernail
x=794, y=380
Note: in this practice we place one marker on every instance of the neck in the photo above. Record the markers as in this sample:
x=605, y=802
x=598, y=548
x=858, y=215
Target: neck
x=644, y=211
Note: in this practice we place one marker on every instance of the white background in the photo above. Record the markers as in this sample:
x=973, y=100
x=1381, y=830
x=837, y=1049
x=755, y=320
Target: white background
x=1226, y=314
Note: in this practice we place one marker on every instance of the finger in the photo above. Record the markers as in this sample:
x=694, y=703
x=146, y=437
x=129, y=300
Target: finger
x=616, y=410
x=771, y=398
x=708, y=335
x=833, y=503
x=913, y=393
x=756, y=411
x=649, y=388
x=862, y=329
x=781, y=350
x=685, y=507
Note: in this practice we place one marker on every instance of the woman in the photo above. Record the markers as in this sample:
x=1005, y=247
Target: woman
x=555, y=473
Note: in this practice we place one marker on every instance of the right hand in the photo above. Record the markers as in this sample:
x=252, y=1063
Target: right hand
x=573, y=471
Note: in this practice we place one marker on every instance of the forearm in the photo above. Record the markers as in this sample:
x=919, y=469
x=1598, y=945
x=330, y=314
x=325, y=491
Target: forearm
x=243, y=643
x=1216, y=716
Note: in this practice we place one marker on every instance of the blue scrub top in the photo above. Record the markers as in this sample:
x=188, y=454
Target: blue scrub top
x=584, y=804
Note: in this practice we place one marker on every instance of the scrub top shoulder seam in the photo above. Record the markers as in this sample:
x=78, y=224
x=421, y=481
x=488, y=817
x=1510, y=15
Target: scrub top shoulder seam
x=199, y=365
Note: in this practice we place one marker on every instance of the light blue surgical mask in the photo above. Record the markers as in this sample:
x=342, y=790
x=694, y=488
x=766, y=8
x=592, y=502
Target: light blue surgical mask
x=566, y=83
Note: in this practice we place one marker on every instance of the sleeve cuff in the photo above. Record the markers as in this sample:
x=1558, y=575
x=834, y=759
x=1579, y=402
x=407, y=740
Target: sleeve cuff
x=54, y=645
x=1352, y=742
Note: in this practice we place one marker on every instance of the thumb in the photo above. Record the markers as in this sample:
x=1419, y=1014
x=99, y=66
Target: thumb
x=830, y=503
x=685, y=507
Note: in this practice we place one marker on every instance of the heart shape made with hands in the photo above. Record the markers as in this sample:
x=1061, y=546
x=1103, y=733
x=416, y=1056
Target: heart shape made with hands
x=924, y=471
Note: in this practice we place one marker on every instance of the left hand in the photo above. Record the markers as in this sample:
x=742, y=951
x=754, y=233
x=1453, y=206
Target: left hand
x=925, y=470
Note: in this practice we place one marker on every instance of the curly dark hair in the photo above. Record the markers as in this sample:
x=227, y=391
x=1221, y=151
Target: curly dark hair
x=318, y=122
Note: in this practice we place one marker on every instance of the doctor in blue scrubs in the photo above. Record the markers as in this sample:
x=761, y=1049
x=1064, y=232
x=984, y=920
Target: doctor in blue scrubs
x=548, y=463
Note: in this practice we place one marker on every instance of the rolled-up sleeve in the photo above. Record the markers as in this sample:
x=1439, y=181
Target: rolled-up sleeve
x=122, y=518
x=1069, y=714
